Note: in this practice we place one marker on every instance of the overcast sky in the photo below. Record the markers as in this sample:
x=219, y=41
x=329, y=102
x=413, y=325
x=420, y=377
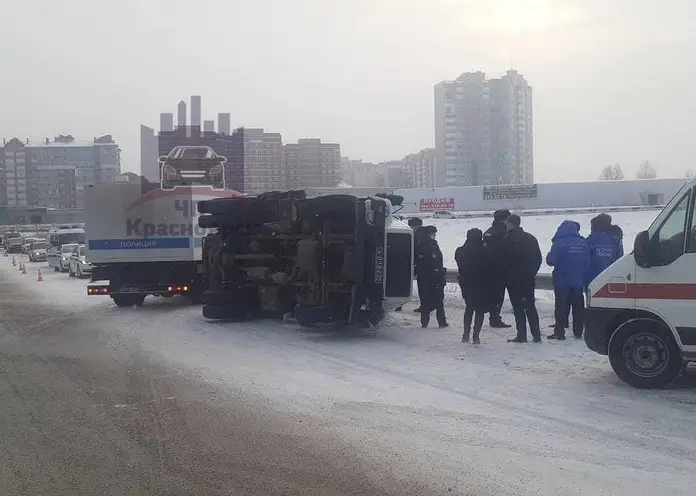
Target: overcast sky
x=614, y=80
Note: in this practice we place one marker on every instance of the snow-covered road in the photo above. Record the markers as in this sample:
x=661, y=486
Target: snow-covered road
x=499, y=418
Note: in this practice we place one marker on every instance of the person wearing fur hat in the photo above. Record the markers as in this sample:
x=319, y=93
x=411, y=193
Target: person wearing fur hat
x=493, y=242
x=432, y=276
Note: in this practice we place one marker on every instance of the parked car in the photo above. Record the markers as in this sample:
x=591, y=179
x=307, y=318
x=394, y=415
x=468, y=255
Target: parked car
x=37, y=251
x=443, y=214
x=59, y=256
x=78, y=265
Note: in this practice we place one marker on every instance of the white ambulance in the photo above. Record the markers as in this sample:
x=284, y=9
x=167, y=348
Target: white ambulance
x=642, y=310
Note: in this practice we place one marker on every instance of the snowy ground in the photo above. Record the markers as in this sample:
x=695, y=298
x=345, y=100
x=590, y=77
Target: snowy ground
x=499, y=418
x=452, y=233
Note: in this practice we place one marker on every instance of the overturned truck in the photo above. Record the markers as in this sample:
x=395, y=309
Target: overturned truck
x=336, y=259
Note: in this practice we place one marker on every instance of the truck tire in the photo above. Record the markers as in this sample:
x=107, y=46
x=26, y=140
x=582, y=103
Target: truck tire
x=230, y=312
x=128, y=300
x=644, y=354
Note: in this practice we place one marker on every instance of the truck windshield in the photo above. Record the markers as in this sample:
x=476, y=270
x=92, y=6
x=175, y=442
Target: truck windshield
x=67, y=248
x=39, y=246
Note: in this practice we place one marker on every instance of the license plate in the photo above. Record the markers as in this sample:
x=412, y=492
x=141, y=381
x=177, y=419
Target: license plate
x=379, y=264
x=127, y=289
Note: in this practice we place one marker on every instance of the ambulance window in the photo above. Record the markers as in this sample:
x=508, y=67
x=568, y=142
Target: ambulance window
x=691, y=233
x=669, y=239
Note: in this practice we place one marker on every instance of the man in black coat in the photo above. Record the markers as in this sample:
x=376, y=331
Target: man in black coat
x=493, y=241
x=474, y=280
x=431, y=276
x=522, y=262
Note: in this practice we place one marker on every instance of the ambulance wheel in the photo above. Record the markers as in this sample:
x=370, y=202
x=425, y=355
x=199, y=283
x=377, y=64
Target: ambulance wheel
x=644, y=354
x=229, y=312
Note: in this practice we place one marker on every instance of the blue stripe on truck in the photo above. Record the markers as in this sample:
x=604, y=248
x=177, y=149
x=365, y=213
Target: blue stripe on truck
x=139, y=244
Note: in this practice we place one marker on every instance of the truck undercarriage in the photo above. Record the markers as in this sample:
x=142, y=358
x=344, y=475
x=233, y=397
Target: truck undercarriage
x=320, y=260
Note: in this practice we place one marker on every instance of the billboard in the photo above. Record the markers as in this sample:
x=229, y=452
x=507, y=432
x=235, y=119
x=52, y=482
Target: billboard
x=434, y=204
x=510, y=192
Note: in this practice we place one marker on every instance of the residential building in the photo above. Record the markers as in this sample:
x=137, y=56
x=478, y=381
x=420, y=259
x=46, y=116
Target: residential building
x=57, y=188
x=19, y=179
x=358, y=174
x=421, y=168
x=208, y=126
x=392, y=174
x=263, y=160
x=484, y=130
x=309, y=163
x=149, y=153
x=92, y=162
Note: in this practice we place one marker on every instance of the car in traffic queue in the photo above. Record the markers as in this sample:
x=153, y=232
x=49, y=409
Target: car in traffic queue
x=78, y=266
x=59, y=256
x=37, y=251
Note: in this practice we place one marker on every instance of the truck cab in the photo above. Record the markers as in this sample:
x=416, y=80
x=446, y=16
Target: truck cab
x=641, y=311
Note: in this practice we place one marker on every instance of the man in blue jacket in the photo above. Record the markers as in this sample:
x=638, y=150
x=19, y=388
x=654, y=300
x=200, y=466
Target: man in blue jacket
x=604, y=247
x=570, y=259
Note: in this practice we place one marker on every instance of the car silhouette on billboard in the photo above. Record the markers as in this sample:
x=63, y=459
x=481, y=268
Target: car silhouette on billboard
x=192, y=166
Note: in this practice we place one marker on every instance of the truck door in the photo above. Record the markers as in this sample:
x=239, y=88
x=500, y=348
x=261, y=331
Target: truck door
x=668, y=287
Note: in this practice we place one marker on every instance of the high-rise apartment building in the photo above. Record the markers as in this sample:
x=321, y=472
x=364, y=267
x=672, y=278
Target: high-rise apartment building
x=421, y=168
x=484, y=131
x=309, y=163
x=181, y=114
x=208, y=126
x=263, y=160
x=19, y=178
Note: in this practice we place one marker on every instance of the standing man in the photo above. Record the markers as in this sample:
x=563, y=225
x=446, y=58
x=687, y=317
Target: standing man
x=431, y=277
x=493, y=242
x=522, y=262
x=570, y=259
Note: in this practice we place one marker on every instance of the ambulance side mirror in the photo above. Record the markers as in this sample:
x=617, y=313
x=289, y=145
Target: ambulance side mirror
x=641, y=250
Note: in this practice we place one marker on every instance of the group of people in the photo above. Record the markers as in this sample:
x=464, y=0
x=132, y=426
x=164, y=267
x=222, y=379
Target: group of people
x=505, y=257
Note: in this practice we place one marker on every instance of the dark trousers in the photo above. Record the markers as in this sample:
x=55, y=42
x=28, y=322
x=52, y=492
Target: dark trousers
x=524, y=307
x=477, y=317
x=567, y=299
x=434, y=300
x=499, y=299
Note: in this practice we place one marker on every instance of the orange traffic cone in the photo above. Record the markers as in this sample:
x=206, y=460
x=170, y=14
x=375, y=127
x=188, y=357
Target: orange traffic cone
x=24, y=270
x=20, y=266
x=14, y=262
x=39, y=278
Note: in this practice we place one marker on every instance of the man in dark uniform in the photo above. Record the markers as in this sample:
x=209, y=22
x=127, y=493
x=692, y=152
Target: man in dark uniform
x=522, y=263
x=431, y=277
x=493, y=242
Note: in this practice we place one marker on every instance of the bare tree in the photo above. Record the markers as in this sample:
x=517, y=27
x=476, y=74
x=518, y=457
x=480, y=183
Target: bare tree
x=611, y=173
x=646, y=170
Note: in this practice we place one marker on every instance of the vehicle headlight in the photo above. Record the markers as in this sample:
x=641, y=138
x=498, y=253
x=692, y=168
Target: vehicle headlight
x=36, y=254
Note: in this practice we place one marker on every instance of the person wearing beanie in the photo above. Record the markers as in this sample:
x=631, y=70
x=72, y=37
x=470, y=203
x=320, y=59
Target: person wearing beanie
x=432, y=277
x=521, y=263
x=493, y=242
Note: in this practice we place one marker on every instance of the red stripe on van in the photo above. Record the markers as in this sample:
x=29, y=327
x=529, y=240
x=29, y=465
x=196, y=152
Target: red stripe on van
x=647, y=291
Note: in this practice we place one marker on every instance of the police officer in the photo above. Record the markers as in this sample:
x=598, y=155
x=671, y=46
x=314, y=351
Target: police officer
x=431, y=277
x=493, y=242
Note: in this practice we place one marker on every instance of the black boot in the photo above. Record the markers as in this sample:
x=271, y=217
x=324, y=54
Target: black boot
x=465, y=336
x=497, y=323
x=477, y=339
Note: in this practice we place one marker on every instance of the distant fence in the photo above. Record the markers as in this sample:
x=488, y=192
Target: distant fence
x=543, y=280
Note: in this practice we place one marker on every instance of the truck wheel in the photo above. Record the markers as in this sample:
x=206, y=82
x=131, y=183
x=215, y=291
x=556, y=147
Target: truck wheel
x=230, y=312
x=644, y=354
x=127, y=300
